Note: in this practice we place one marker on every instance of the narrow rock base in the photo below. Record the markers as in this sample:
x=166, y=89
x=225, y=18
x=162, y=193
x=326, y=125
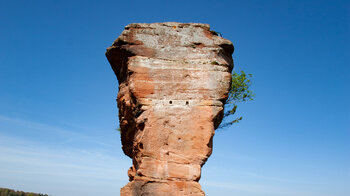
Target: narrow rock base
x=169, y=188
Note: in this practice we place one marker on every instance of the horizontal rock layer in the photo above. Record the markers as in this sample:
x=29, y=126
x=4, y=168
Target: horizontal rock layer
x=173, y=82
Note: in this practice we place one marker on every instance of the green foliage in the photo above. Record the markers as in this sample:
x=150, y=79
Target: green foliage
x=214, y=63
x=10, y=192
x=239, y=92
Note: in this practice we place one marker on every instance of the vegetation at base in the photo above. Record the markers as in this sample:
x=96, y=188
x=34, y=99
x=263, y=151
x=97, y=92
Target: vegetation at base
x=10, y=192
x=239, y=92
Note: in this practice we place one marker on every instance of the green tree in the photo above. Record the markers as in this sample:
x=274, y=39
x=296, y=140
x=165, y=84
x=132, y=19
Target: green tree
x=239, y=92
x=10, y=192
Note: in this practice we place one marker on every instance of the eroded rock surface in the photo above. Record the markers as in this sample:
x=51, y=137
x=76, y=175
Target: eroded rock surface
x=173, y=81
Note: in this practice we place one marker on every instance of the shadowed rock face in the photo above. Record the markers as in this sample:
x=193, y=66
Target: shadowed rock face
x=173, y=82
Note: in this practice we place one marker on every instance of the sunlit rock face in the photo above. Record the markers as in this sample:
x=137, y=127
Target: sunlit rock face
x=173, y=82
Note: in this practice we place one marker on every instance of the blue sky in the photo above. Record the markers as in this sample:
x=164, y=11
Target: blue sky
x=57, y=96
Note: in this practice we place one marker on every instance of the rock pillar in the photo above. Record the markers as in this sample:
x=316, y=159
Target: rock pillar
x=173, y=82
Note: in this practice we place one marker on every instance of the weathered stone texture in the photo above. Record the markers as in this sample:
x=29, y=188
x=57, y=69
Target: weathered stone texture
x=173, y=81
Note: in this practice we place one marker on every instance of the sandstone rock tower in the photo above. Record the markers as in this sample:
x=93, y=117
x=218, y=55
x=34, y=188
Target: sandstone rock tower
x=173, y=82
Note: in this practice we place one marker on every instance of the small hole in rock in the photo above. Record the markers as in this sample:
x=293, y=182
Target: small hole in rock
x=186, y=102
x=170, y=102
x=141, y=146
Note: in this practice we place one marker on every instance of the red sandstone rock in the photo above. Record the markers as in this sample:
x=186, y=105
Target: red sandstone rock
x=173, y=81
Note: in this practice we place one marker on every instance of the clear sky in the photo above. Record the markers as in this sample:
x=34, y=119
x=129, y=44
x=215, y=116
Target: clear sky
x=57, y=96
